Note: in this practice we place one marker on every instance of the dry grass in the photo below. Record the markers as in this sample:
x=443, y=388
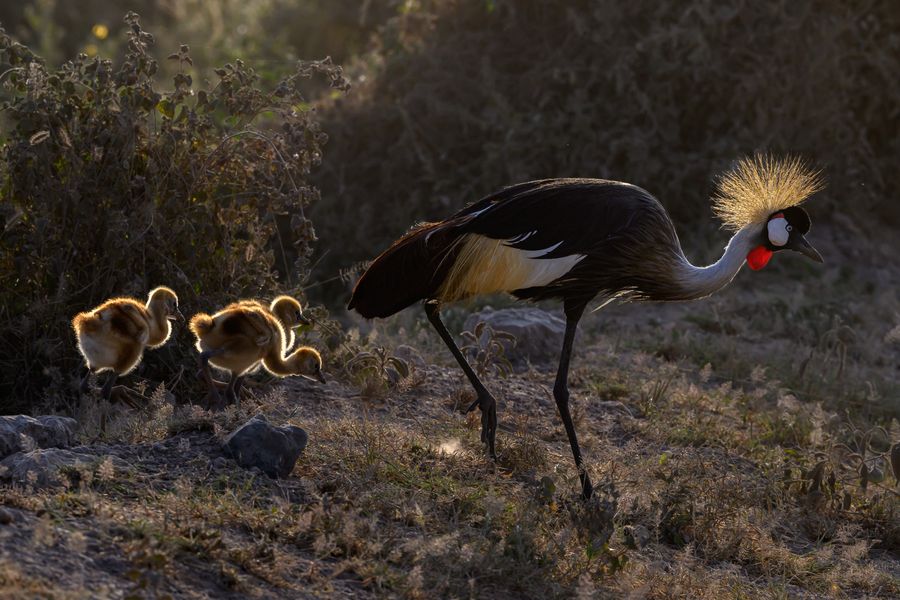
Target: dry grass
x=703, y=426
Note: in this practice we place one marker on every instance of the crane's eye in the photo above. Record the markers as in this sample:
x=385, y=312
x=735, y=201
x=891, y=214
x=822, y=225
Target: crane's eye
x=789, y=229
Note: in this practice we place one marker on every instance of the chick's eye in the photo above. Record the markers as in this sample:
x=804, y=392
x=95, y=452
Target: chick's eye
x=788, y=228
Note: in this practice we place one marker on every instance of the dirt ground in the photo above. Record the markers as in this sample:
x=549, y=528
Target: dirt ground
x=724, y=439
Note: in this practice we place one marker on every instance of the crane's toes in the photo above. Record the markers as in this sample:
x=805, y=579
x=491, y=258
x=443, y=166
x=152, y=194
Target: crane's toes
x=587, y=490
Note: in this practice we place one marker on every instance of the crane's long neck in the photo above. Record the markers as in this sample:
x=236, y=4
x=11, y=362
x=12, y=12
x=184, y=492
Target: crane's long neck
x=697, y=282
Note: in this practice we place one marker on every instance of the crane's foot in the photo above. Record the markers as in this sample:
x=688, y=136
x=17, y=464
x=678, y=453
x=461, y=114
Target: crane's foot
x=587, y=489
x=488, y=406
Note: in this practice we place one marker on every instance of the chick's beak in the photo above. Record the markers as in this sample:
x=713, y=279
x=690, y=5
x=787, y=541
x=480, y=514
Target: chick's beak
x=303, y=320
x=799, y=244
x=319, y=376
x=176, y=316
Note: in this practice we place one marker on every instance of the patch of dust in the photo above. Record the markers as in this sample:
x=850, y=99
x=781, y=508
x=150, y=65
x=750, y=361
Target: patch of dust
x=451, y=446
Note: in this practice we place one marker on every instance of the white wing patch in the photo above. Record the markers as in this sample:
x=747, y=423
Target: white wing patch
x=544, y=252
x=485, y=266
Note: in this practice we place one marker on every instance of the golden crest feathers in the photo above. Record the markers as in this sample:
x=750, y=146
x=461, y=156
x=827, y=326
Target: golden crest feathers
x=759, y=186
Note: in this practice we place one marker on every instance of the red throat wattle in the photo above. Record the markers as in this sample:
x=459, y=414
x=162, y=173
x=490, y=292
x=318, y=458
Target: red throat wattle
x=759, y=257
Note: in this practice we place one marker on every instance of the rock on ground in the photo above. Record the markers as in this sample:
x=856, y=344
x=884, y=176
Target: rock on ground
x=273, y=450
x=41, y=467
x=21, y=433
x=539, y=334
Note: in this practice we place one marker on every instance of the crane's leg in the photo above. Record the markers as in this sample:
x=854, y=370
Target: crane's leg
x=561, y=392
x=485, y=401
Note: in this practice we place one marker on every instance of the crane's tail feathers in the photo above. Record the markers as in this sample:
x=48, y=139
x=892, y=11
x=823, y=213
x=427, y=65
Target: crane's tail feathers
x=412, y=269
x=201, y=324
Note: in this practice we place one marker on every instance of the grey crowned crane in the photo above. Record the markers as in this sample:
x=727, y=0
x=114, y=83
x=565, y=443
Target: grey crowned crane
x=578, y=239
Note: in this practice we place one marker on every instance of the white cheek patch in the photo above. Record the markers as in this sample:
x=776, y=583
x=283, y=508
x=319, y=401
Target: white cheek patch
x=778, y=231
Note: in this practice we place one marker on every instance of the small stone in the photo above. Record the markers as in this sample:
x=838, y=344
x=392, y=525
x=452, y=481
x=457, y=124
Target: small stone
x=6, y=517
x=220, y=463
x=21, y=433
x=41, y=467
x=273, y=450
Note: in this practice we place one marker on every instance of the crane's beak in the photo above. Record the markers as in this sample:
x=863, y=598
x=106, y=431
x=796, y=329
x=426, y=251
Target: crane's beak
x=799, y=244
x=176, y=316
x=303, y=320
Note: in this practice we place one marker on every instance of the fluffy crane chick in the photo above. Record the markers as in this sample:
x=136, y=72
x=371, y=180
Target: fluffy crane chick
x=112, y=336
x=243, y=335
x=287, y=310
x=289, y=313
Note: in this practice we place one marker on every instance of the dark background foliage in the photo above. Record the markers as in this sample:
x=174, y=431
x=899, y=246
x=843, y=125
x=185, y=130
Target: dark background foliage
x=472, y=96
x=124, y=173
x=111, y=187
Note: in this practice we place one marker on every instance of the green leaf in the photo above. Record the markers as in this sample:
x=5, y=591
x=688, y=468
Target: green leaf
x=166, y=108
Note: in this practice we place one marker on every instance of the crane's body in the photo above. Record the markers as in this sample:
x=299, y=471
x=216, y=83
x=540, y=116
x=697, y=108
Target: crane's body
x=575, y=240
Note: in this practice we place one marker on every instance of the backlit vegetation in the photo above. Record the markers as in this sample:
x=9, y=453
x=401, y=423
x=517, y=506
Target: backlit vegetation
x=113, y=184
x=742, y=446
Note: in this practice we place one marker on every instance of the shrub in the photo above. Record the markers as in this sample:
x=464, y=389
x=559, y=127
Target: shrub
x=111, y=186
x=465, y=97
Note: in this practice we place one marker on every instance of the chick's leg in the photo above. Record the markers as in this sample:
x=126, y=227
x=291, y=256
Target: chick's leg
x=232, y=395
x=106, y=394
x=85, y=387
x=206, y=374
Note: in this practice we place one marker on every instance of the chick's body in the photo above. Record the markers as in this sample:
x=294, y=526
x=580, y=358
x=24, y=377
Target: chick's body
x=288, y=311
x=243, y=336
x=238, y=337
x=113, y=335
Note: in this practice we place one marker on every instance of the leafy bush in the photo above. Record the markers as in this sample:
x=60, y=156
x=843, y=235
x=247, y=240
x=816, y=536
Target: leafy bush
x=111, y=186
x=466, y=97
x=486, y=350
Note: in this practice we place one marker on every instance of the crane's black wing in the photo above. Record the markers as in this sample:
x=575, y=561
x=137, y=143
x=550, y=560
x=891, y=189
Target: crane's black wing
x=560, y=216
x=620, y=229
x=615, y=226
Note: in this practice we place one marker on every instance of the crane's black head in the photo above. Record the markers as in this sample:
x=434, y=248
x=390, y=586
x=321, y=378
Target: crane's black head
x=784, y=230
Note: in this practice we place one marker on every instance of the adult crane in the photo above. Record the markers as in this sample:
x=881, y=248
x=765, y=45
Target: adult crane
x=578, y=239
